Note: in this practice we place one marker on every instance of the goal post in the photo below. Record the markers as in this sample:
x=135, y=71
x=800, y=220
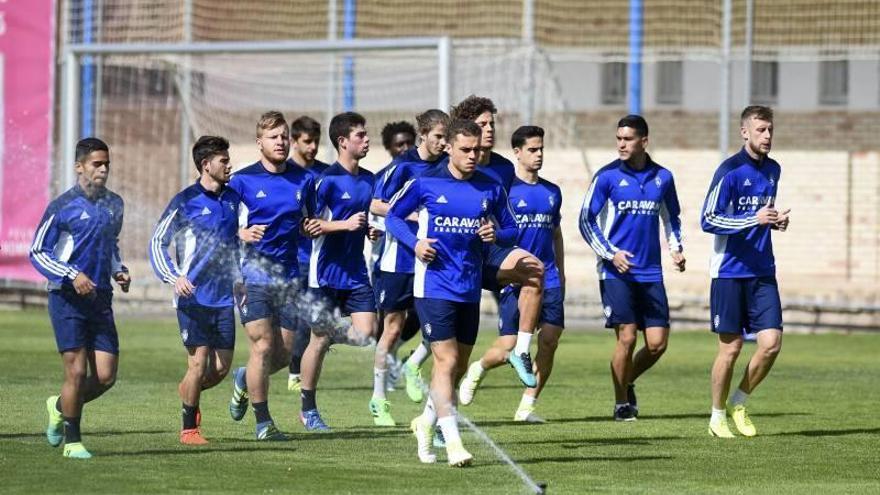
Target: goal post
x=73, y=54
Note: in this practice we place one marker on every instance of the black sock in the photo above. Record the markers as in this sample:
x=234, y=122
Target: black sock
x=308, y=400
x=295, y=364
x=58, y=404
x=71, y=430
x=189, y=417
x=261, y=411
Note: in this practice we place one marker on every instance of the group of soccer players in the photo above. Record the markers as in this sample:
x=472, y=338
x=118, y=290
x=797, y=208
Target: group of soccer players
x=284, y=238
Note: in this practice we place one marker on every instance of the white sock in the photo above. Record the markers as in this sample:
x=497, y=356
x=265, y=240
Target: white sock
x=293, y=376
x=618, y=405
x=476, y=369
x=523, y=341
x=449, y=427
x=418, y=356
x=739, y=398
x=379, y=383
x=528, y=400
x=718, y=414
x=429, y=414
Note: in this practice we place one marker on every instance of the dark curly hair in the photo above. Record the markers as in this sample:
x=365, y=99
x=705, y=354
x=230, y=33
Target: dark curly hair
x=472, y=107
x=393, y=128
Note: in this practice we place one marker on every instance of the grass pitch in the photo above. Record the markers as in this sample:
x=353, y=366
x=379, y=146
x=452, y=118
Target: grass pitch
x=815, y=414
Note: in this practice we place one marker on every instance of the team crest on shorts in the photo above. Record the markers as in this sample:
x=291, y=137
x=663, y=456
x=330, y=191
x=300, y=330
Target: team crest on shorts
x=184, y=334
x=428, y=328
x=382, y=297
x=716, y=321
x=607, y=311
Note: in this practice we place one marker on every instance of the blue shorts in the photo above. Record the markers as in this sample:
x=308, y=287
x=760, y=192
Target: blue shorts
x=203, y=326
x=745, y=304
x=643, y=303
x=395, y=291
x=326, y=301
x=493, y=257
x=83, y=321
x=278, y=302
x=552, y=310
x=444, y=320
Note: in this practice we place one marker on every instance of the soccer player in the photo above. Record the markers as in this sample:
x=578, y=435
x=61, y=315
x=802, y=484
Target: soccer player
x=398, y=137
x=338, y=280
x=620, y=220
x=305, y=137
x=76, y=247
x=202, y=222
x=457, y=206
x=740, y=211
x=395, y=284
x=536, y=204
x=275, y=198
x=503, y=266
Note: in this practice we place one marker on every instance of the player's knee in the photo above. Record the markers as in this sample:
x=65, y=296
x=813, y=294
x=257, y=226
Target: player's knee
x=262, y=348
x=772, y=350
x=197, y=366
x=319, y=343
x=656, y=349
x=626, y=339
x=75, y=374
x=106, y=379
x=548, y=342
x=730, y=352
x=532, y=268
x=445, y=362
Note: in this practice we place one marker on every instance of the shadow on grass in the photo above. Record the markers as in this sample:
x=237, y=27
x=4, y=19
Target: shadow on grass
x=608, y=419
x=88, y=433
x=274, y=447
x=637, y=458
x=828, y=433
x=354, y=434
x=576, y=443
x=336, y=434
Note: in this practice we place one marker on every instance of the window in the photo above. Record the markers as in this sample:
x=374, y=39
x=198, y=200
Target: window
x=613, y=83
x=833, y=82
x=765, y=83
x=669, y=76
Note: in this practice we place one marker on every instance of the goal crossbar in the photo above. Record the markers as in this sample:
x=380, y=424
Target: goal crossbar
x=72, y=54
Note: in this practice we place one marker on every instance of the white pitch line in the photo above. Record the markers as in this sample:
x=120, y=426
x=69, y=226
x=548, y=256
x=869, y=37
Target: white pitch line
x=526, y=479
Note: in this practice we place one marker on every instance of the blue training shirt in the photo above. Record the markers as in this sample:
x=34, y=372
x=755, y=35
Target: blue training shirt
x=398, y=257
x=451, y=210
x=741, y=186
x=281, y=201
x=303, y=243
x=537, y=211
x=337, y=259
x=622, y=211
x=203, y=226
x=79, y=234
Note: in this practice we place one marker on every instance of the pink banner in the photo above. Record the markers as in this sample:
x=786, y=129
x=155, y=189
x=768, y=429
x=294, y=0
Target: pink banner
x=27, y=37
